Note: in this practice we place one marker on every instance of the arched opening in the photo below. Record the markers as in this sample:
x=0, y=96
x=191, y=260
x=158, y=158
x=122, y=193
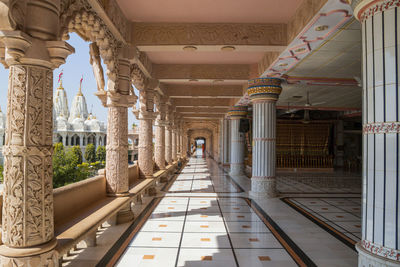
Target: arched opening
x=200, y=143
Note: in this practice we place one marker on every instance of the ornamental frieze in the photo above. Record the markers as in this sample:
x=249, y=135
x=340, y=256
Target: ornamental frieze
x=381, y=128
x=208, y=34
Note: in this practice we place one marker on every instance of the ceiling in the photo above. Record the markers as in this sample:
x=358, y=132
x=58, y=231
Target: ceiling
x=198, y=49
x=209, y=11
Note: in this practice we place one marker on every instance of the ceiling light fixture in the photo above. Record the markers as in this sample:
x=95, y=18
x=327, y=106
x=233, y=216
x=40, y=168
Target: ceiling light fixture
x=189, y=48
x=228, y=48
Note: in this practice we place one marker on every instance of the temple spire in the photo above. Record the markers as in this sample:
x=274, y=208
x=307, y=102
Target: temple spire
x=60, y=86
x=80, y=87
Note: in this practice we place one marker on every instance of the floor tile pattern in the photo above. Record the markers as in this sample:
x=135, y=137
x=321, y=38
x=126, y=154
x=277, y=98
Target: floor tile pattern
x=195, y=230
x=342, y=214
x=196, y=178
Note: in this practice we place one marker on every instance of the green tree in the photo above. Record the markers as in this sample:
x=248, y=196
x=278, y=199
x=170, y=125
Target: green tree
x=1, y=173
x=90, y=153
x=133, y=126
x=67, y=166
x=74, y=155
x=101, y=154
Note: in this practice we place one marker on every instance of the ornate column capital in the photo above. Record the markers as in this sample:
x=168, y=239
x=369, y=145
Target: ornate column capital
x=237, y=112
x=264, y=89
x=363, y=9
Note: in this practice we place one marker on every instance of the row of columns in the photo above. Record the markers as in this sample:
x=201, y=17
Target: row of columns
x=264, y=93
x=169, y=137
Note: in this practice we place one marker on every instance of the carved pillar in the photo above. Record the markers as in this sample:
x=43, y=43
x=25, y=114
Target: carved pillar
x=264, y=92
x=174, y=144
x=237, y=140
x=27, y=219
x=160, y=134
x=146, y=117
x=380, y=244
x=168, y=140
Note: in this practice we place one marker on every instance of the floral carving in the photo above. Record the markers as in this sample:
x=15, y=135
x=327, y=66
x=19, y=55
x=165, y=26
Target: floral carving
x=28, y=204
x=117, y=150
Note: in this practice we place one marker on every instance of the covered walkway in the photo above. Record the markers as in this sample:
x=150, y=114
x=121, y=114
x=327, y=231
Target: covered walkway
x=203, y=218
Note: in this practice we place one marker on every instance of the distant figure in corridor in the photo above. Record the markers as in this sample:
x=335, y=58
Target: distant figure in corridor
x=203, y=149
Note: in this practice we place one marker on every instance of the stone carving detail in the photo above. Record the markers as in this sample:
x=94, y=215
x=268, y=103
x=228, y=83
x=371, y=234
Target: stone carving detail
x=28, y=192
x=117, y=151
x=48, y=259
x=208, y=34
x=95, y=61
x=78, y=16
x=138, y=77
x=116, y=16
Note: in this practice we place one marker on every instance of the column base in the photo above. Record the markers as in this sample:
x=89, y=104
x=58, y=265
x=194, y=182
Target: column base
x=263, y=187
x=367, y=259
x=237, y=170
x=39, y=256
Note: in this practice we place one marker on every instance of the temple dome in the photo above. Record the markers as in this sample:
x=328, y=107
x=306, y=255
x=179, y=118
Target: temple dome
x=79, y=107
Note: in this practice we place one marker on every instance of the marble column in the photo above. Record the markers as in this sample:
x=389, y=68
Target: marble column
x=237, y=140
x=227, y=142
x=27, y=217
x=380, y=244
x=264, y=92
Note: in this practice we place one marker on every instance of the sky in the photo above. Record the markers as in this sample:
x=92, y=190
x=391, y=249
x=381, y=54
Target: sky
x=76, y=65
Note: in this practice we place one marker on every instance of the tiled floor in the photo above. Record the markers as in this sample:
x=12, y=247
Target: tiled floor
x=198, y=230
x=340, y=213
x=205, y=218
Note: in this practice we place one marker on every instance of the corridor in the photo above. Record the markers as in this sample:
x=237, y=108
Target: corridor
x=201, y=221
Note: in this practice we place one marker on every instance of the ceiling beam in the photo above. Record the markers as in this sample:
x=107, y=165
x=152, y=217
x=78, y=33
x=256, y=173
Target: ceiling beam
x=199, y=102
x=200, y=110
x=207, y=34
x=220, y=116
x=238, y=72
x=204, y=91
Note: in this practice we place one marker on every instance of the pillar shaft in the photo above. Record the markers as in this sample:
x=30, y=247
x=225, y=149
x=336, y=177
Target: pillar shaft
x=264, y=92
x=117, y=151
x=145, y=148
x=168, y=144
x=27, y=217
x=264, y=154
x=237, y=149
x=160, y=145
x=237, y=140
x=380, y=199
x=227, y=142
x=174, y=145
x=28, y=189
